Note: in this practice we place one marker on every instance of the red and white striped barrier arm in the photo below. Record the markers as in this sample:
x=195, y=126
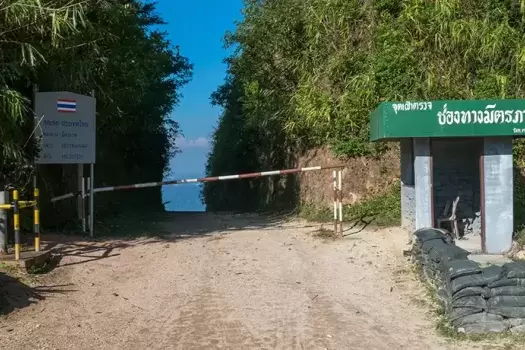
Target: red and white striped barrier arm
x=203, y=179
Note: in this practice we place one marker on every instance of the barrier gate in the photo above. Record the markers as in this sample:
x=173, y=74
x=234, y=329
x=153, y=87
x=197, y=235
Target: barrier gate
x=15, y=206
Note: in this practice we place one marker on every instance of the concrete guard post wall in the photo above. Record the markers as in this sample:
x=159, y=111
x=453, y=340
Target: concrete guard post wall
x=475, y=299
x=496, y=122
x=498, y=187
x=457, y=173
x=423, y=182
x=408, y=192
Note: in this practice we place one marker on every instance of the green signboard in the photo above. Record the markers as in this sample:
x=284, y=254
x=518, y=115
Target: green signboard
x=455, y=118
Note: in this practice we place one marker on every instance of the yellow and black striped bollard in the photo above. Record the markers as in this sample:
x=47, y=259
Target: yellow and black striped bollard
x=16, y=224
x=36, y=220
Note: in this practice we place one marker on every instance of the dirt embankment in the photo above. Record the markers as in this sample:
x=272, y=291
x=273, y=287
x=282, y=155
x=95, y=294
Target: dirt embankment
x=363, y=176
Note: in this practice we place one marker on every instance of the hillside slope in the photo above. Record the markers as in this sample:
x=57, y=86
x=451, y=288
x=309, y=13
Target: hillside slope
x=306, y=74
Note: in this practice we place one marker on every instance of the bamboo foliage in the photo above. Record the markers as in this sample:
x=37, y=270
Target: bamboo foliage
x=110, y=46
x=26, y=25
x=314, y=69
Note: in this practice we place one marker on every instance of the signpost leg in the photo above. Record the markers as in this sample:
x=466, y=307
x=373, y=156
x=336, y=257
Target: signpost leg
x=91, y=199
x=81, y=210
x=92, y=176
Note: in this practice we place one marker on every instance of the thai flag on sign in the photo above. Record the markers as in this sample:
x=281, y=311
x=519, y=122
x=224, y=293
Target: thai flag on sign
x=68, y=106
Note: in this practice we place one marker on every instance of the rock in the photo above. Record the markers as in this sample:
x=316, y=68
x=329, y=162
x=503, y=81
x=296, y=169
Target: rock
x=486, y=327
x=518, y=329
x=520, y=255
x=514, y=250
x=514, y=322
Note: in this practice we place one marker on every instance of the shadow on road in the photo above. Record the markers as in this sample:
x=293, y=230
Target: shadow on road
x=187, y=225
x=15, y=295
x=112, y=236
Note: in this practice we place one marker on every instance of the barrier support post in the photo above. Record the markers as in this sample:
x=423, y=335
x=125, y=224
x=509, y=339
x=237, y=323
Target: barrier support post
x=16, y=224
x=36, y=219
x=334, y=174
x=340, y=190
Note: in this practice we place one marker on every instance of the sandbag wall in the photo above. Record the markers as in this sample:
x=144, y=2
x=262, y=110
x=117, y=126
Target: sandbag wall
x=476, y=299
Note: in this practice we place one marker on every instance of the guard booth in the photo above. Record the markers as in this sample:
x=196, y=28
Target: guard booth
x=456, y=165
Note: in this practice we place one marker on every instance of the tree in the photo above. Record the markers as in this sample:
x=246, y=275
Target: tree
x=112, y=47
x=310, y=72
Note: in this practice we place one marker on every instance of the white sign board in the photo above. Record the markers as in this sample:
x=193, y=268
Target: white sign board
x=66, y=129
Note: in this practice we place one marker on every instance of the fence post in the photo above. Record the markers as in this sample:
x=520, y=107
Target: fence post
x=340, y=190
x=36, y=219
x=16, y=224
x=334, y=174
x=4, y=222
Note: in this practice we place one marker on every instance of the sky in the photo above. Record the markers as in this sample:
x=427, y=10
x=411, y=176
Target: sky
x=198, y=28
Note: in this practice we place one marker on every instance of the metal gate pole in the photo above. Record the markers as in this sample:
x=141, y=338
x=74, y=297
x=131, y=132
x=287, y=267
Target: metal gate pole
x=92, y=182
x=92, y=200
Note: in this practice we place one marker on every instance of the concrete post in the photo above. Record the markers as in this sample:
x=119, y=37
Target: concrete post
x=4, y=222
x=407, y=185
x=498, y=194
x=423, y=183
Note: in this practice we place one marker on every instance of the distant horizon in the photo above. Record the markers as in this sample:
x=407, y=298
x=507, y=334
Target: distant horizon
x=200, y=39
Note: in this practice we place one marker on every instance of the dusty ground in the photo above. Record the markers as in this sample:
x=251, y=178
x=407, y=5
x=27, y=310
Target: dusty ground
x=240, y=282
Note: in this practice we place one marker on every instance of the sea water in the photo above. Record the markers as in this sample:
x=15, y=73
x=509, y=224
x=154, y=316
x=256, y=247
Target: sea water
x=183, y=197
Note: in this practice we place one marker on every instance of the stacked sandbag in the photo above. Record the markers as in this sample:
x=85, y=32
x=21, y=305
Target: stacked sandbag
x=430, y=247
x=468, y=286
x=506, y=296
x=476, y=300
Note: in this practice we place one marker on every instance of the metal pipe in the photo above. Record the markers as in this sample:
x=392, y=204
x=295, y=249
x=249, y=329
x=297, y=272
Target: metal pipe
x=340, y=190
x=92, y=200
x=16, y=224
x=36, y=220
x=334, y=183
x=26, y=204
x=196, y=180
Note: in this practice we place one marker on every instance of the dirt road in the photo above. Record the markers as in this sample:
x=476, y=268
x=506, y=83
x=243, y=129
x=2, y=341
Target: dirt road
x=240, y=282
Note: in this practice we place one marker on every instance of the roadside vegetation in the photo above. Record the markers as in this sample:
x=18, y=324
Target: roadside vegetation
x=307, y=73
x=118, y=49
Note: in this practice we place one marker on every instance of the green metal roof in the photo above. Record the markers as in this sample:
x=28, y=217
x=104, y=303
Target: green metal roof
x=454, y=118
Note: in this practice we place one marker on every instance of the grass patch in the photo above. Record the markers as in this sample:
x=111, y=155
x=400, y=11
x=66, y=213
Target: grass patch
x=40, y=269
x=519, y=236
x=46, y=267
x=9, y=269
x=315, y=213
x=379, y=211
x=17, y=273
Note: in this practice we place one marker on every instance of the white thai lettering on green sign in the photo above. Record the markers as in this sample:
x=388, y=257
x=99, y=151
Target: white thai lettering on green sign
x=412, y=106
x=491, y=115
